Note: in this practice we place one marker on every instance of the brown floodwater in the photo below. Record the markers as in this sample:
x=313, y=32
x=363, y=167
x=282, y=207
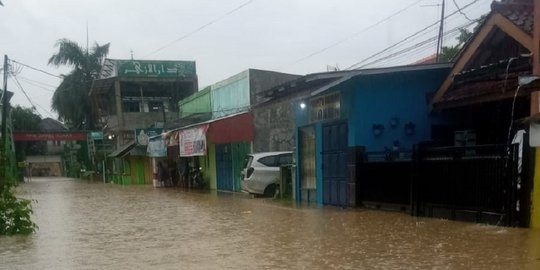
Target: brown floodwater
x=102, y=226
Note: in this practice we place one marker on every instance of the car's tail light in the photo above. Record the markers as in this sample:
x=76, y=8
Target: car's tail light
x=250, y=172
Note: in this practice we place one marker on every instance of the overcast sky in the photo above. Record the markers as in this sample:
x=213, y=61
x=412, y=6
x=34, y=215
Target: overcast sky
x=265, y=34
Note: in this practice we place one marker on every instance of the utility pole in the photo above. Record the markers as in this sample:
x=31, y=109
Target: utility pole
x=441, y=30
x=5, y=103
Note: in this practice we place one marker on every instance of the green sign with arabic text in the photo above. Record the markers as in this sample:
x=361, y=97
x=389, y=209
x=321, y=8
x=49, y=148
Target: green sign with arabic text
x=156, y=69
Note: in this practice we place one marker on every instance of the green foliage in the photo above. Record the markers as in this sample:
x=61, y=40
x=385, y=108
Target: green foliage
x=15, y=214
x=70, y=99
x=24, y=119
x=448, y=53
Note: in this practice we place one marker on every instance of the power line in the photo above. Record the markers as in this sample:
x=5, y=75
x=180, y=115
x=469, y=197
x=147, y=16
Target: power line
x=201, y=27
x=36, y=81
x=24, y=92
x=29, y=99
x=37, y=69
x=35, y=84
x=461, y=12
x=356, y=34
x=416, y=46
x=407, y=38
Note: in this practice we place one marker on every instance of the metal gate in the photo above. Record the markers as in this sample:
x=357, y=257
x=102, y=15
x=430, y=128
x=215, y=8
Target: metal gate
x=335, y=171
x=224, y=166
x=476, y=184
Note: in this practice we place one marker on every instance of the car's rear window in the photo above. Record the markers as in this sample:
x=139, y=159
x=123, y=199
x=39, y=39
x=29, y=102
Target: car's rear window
x=269, y=161
x=247, y=161
x=276, y=160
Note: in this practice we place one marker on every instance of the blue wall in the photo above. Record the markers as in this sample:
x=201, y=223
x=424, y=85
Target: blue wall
x=377, y=99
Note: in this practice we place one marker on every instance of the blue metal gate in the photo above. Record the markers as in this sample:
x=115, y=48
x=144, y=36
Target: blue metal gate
x=335, y=170
x=224, y=166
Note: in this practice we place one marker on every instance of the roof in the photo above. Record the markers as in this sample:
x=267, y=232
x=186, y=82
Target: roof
x=519, y=12
x=49, y=124
x=317, y=83
x=122, y=151
x=504, y=34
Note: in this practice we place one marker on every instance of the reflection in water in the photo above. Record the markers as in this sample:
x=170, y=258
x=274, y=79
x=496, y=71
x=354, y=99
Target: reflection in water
x=96, y=226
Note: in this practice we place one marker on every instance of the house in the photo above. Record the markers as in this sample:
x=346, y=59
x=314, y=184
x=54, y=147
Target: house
x=130, y=96
x=217, y=120
x=371, y=116
x=487, y=98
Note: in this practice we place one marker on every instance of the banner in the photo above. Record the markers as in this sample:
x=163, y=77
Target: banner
x=143, y=135
x=37, y=136
x=156, y=148
x=193, y=141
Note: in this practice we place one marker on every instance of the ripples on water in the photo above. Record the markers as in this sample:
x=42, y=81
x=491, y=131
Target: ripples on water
x=96, y=226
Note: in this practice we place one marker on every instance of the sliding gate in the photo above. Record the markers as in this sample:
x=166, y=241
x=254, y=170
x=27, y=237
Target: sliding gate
x=478, y=184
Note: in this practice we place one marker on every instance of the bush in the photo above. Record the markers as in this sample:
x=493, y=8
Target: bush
x=15, y=213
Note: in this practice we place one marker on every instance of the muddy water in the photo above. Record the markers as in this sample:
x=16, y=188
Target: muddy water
x=96, y=226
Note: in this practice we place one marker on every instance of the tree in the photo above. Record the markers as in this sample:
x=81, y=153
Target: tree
x=70, y=100
x=24, y=120
x=448, y=53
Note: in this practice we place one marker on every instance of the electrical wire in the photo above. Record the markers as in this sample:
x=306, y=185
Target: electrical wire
x=37, y=69
x=201, y=27
x=36, y=81
x=24, y=92
x=354, y=34
x=30, y=100
x=417, y=46
x=460, y=11
x=36, y=85
x=407, y=38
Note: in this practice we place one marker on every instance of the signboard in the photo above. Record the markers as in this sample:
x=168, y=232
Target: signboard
x=36, y=136
x=156, y=69
x=96, y=135
x=193, y=141
x=157, y=148
x=143, y=135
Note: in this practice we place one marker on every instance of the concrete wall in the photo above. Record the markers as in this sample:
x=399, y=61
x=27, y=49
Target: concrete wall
x=261, y=80
x=274, y=124
x=134, y=120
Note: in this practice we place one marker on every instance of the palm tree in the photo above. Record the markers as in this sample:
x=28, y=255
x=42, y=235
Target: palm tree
x=70, y=100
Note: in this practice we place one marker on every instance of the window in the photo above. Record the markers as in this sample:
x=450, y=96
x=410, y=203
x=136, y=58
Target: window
x=270, y=161
x=155, y=106
x=325, y=108
x=131, y=106
x=285, y=159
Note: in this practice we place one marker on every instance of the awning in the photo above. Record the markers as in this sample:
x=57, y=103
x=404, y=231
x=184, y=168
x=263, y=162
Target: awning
x=122, y=151
x=238, y=128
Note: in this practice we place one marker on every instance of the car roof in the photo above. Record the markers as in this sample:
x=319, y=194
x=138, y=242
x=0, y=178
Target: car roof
x=265, y=154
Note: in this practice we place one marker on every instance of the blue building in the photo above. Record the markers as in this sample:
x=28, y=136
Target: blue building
x=375, y=115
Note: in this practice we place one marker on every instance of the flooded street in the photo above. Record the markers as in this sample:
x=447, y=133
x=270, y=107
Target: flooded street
x=101, y=226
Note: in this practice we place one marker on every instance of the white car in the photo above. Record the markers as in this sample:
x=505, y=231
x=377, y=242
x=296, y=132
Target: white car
x=261, y=172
